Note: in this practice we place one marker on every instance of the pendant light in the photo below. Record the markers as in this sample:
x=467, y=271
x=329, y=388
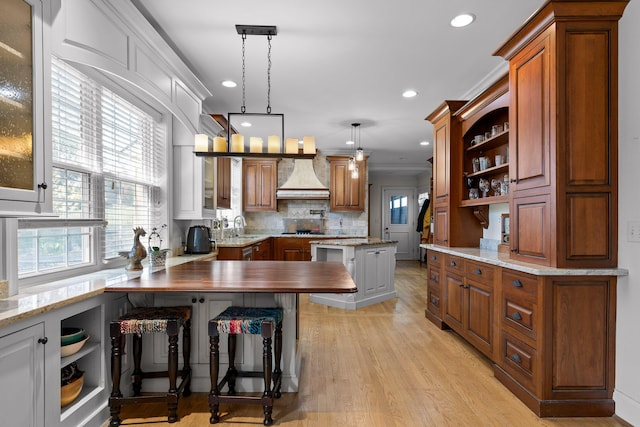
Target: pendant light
x=359, y=151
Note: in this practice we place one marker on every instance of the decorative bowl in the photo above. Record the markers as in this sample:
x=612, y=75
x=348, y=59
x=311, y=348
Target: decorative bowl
x=69, y=349
x=71, y=335
x=70, y=392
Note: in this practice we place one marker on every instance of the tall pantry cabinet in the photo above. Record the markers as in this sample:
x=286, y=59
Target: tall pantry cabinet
x=563, y=83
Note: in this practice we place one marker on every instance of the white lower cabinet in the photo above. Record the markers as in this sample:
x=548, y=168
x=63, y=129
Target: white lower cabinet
x=22, y=376
x=31, y=363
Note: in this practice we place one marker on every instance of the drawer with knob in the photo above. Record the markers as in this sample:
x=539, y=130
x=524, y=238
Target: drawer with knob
x=519, y=360
x=519, y=283
x=434, y=301
x=520, y=315
x=479, y=272
x=433, y=257
x=454, y=263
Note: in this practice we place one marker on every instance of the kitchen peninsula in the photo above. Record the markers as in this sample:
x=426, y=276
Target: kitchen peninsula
x=211, y=286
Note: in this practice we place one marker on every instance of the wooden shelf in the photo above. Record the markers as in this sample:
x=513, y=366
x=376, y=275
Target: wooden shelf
x=255, y=155
x=489, y=171
x=499, y=139
x=484, y=201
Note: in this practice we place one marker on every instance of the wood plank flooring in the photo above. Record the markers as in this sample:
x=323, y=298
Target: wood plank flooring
x=383, y=365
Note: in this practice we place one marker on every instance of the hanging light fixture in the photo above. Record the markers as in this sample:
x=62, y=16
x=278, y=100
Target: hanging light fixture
x=359, y=151
x=264, y=126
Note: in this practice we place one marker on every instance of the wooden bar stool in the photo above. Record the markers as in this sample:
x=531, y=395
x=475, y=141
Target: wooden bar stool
x=246, y=320
x=146, y=320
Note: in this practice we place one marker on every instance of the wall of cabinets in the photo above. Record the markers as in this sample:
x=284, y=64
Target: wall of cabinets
x=346, y=194
x=558, y=162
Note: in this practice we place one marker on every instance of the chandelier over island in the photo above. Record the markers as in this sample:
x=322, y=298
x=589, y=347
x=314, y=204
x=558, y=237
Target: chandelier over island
x=260, y=127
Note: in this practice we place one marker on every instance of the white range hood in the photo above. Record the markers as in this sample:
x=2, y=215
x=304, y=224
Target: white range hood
x=302, y=184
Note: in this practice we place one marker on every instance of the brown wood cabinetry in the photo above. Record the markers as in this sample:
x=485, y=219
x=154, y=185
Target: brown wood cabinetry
x=453, y=225
x=468, y=301
x=263, y=251
x=346, y=194
x=260, y=178
x=293, y=248
x=563, y=138
x=260, y=251
x=223, y=183
x=552, y=338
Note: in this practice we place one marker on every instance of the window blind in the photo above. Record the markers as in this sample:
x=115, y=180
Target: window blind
x=113, y=157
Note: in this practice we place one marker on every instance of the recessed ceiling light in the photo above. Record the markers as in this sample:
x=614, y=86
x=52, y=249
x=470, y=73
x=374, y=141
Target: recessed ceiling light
x=350, y=142
x=409, y=93
x=424, y=143
x=229, y=83
x=245, y=124
x=463, y=20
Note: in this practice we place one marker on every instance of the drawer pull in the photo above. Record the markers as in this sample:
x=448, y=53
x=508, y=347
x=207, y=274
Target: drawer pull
x=516, y=358
x=452, y=263
x=478, y=271
x=433, y=257
x=517, y=283
x=43, y=340
x=434, y=301
x=433, y=277
x=516, y=316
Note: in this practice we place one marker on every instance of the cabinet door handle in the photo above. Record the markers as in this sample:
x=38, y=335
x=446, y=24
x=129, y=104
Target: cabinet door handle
x=43, y=340
x=516, y=316
x=433, y=300
x=517, y=283
x=433, y=277
x=478, y=271
x=516, y=358
x=43, y=185
x=201, y=300
x=433, y=257
x=461, y=285
x=513, y=249
x=194, y=300
x=452, y=263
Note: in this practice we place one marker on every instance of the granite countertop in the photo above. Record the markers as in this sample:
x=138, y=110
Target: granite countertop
x=366, y=241
x=250, y=239
x=38, y=299
x=503, y=260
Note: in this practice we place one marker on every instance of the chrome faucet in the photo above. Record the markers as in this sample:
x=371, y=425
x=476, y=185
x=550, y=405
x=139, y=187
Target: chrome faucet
x=239, y=223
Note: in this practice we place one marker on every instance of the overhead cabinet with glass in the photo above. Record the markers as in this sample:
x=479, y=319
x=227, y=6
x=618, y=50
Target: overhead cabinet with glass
x=25, y=137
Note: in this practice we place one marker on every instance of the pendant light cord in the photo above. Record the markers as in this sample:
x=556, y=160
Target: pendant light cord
x=269, y=75
x=243, y=109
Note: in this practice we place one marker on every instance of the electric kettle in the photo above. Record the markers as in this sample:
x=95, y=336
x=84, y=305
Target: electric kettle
x=199, y=240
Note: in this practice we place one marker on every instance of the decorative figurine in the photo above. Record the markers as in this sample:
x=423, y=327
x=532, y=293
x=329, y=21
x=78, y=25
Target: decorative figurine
x=137, y=252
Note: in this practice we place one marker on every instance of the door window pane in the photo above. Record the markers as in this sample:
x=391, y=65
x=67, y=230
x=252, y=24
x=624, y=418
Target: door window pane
x=398, y=209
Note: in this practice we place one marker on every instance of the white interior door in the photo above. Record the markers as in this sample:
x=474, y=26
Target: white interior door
x=399, y=220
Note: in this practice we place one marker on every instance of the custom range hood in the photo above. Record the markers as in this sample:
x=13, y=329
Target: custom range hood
x=302, y=184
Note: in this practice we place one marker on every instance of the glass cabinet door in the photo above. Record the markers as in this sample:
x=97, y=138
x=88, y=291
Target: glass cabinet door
x=22, y=76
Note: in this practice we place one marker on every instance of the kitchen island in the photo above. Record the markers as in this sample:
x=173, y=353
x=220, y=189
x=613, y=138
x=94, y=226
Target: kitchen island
x=371, y=263
x=211, y=286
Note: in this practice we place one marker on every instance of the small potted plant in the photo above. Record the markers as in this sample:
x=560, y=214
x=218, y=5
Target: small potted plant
x=157, y=256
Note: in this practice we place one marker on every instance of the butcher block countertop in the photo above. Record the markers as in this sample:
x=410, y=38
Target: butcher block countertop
x=244, y=276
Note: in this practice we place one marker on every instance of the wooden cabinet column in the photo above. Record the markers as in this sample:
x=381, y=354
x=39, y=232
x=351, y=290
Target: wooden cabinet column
x=563, y=84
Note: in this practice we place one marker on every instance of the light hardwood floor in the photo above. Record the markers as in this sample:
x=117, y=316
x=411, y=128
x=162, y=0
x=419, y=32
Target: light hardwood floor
x=383, y=365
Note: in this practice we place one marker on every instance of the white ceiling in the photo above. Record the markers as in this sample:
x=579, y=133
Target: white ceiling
x=336, y=62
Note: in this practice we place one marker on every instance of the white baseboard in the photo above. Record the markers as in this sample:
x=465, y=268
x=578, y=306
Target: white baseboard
x=627, y=408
